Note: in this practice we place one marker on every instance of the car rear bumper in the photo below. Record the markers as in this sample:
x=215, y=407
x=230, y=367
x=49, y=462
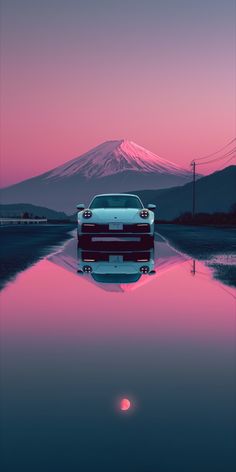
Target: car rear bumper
x=123, y=256
x=108, y=241
x=95, y=228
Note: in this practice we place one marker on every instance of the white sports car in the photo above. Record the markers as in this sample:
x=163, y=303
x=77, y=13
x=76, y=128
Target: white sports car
x=116, y=218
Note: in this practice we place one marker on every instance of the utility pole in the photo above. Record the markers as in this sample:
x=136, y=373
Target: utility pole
x=193, y=271
x=193, y=164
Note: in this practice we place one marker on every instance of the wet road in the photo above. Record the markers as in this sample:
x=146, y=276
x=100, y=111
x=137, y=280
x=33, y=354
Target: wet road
x=72, y=347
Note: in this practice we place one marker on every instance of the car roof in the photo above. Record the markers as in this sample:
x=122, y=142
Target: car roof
x=116, y=194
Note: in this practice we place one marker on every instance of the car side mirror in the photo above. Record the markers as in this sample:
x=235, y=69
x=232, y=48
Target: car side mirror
x=151, y=206
x=80, y=206
x=152, y=272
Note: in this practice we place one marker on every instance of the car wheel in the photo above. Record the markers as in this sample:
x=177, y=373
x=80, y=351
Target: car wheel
x=85, y=241
x=148, y=242
x=78, y=239
x=151, y=242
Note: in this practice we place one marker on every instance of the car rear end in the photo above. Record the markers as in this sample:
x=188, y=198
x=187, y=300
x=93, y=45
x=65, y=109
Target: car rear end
x=115, y=234
x=114, y=220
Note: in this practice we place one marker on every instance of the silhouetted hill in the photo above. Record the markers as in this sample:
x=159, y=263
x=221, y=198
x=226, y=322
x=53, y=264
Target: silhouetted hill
x=214, y=193
x=17, y=209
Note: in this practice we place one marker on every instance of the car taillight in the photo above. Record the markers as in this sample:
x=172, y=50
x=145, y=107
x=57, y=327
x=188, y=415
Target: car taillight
x=144, y=213
x=87, y=214
x=144, y=269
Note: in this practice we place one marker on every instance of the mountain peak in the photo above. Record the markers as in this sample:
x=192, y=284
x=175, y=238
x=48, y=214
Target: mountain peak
x=112, y=157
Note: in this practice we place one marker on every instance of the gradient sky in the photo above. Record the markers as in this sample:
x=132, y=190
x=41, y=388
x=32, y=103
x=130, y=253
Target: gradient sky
x=75, y=73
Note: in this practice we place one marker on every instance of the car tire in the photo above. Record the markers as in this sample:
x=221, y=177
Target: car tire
x=85, y=241
x=151, y=243
x=148, y=241
x=78, y=239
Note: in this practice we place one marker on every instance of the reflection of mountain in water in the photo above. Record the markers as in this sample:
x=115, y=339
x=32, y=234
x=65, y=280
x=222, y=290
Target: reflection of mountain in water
x=163, y=258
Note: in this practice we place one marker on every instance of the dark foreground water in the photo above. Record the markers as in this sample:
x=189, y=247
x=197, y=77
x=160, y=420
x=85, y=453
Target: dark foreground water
x=22, y=245
x=72, y=347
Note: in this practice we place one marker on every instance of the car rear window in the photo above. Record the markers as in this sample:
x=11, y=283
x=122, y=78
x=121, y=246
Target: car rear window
x=116, y=201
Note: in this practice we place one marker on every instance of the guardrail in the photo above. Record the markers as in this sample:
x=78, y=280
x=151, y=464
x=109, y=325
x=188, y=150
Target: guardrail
x=22, y=221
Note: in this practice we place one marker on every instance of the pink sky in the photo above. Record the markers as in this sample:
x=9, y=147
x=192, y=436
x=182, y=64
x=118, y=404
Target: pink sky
x=75, y=75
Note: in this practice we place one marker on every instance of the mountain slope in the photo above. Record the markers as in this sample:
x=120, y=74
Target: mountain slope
x=214, y=193
x=116, y=156
x=114, y=166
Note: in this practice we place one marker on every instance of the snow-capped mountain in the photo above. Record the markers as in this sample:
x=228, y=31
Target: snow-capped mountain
x=113, y=166
x=116, y=156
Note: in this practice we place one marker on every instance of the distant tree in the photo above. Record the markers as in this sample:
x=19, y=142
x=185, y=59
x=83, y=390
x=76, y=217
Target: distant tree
x=233, y=208
x=201, y=219
x=184, y=218
x=25, y=215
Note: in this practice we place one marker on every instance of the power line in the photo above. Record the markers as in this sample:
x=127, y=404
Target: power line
x=227, y=154
x=216, y=152
x=224, y=163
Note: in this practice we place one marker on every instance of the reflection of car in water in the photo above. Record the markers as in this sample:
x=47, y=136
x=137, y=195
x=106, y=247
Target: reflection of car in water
x=165, y=258
x=112, y=219
x=108, y=267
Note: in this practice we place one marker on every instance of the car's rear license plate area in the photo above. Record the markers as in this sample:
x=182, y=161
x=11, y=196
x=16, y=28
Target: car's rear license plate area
x=115, y=226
